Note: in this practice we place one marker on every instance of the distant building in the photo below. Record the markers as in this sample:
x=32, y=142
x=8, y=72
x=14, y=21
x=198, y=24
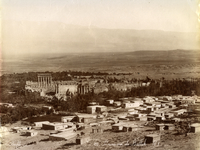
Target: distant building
x=91, y=109
x=117, y=103
x=39, y=124
x=130, y=105
x=54, y=126
x=31, y=133
x=67, y=118
x=100, y=109
x=195, y=127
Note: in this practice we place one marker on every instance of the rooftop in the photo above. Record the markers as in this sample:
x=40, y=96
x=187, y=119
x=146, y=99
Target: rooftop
x=152, y=135
x=196, y=125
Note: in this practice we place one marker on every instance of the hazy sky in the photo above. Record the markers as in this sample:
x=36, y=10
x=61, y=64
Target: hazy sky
x=166, y=15
x=170, y=15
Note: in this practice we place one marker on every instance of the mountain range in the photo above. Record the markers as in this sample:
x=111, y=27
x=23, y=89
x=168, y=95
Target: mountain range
x=56, y=37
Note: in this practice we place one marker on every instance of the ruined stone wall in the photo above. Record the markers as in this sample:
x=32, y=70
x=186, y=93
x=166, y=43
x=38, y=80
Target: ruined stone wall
x=62, y=89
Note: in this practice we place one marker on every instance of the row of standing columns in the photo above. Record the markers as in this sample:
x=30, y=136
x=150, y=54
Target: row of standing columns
x=82, y=89
x=44, y=81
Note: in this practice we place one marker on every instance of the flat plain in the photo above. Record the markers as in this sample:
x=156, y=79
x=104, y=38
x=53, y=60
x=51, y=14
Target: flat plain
x=155, y=64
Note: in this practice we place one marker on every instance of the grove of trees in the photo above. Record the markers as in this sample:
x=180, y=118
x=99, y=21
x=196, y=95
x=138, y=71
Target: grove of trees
x=11, y=115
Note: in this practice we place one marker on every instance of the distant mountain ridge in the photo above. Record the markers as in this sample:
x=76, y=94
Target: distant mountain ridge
x=58, y=37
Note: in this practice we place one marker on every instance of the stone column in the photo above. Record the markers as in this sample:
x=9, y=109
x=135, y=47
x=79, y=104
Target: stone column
x=42, y=81
x=85, y=89
x=50, y=81
x=56, y=88
x=47, y=81
x=83, y=92
x=78, y=89
x=38, y=81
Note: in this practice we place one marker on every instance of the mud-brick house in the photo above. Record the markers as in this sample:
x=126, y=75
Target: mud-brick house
x=130, y=127
x=84, y=117
x=62, y=136
x=169, y=115
x=195, y=128
x=143, y=118
x=67, y=118
x=101, y=109
x=169, y=127
x=152, y=138
x=110, y=102
x=159, y=118
x=82, y=140
x=176, y=120
x=117, y=103
x=31, y=133
x=97, y=129
x=39, y=124
x=91, y=109
x=117, y=127
x=150, y=118
x=54, y=126
x=160, y=127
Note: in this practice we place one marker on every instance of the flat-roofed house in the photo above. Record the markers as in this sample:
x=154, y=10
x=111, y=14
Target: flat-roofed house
x=169, y=115
x=150, y=118
x=81, y=117
x=31, y=133
x=117, y=127
x=130, y=127
x=169, y=127
x=150, y=109
x=195, y=127
x=83, y=140
x=117, y=103
x=179, y=112
x=88, y=119
x=131, y=112
x=54, y=126
x=152, y=138
x=176, y=120
x=97, y=129
x=67, y=118
x=110, y=101
x=160, y=126
x=188, y=101
x=143, y=118
x=101, y=108
x=39, y=124
x=131, y=117
x=91, y=109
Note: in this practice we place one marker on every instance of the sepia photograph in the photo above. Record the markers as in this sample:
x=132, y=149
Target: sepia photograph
x=100, y=74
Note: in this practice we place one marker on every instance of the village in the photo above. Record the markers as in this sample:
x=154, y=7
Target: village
x=129, y=114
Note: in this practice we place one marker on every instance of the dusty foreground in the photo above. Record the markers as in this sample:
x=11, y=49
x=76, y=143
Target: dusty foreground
x=106, y=140
x=129, y=141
